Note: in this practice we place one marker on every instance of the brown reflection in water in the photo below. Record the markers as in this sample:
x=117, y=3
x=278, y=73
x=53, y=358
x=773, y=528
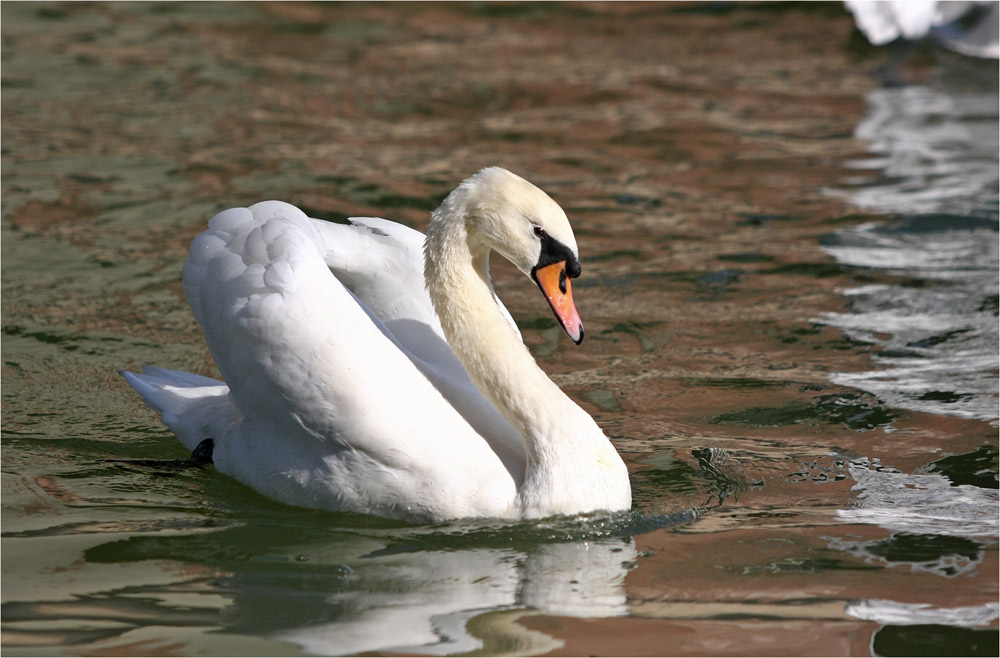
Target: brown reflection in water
x=744, y=592
x=701, y=637
x=688, y=144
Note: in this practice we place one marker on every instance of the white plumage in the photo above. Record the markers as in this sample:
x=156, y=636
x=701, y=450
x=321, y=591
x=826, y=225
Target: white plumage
x=351, y=384
x=884, y=21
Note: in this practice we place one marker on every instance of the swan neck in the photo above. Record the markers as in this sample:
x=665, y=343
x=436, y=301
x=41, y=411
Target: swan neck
x=497, y=361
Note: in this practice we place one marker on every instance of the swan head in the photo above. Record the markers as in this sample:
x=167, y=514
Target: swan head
x=509, y=215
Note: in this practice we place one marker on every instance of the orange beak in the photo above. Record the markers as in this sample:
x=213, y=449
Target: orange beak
x=554, y=283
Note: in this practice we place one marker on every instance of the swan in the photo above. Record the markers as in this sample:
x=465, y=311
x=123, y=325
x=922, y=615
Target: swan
x=371, y=369
x=965, y=26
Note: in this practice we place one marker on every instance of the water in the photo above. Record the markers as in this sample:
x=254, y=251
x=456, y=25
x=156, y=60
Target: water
x=931, y=316
x=933, y=165
x=776, y=293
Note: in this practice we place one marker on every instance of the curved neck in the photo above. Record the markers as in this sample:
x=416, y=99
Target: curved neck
x=456, y=269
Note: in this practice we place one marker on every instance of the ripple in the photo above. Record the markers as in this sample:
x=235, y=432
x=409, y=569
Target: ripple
x=922, y=503
x=935, y=161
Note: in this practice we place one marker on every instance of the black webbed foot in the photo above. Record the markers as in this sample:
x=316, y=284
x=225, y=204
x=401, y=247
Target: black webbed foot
x=202, y=453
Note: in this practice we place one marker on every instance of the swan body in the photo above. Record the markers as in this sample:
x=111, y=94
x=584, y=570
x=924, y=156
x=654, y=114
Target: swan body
x=884, y=21
x=370, y=369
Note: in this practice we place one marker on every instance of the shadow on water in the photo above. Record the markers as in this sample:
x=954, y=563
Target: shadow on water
x=853, y=410
x=934, y=640
x=977, y=468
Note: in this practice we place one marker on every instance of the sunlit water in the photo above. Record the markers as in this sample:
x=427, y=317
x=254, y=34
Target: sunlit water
x=934, y=169
x=932, y=315
x=813, y=473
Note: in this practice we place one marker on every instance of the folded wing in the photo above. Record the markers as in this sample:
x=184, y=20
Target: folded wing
x=329, y=402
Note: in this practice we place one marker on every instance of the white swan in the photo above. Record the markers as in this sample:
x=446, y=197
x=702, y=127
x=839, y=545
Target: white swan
x=969, y=27
x=343, y=350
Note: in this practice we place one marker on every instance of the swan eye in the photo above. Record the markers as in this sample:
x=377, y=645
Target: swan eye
x=539, y=231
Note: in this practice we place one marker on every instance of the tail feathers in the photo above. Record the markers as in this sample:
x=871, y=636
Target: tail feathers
x=179, y=377
x=194, y=407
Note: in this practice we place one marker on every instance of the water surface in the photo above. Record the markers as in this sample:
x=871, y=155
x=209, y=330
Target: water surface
x=789, y=290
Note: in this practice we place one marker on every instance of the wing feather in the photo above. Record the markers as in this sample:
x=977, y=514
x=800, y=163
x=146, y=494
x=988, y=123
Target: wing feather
x=381, y=262
x=307, y=364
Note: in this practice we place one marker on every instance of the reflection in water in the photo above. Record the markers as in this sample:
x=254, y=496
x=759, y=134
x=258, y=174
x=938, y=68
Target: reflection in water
x=934, y=640
x=925, y=503
x=939, y=528
x=169, y=574
x=932, y=151
x=932, y=312
x=422, y=602
x=429, y=590
x=936, y=161
x=938, y=328
x=893, y=612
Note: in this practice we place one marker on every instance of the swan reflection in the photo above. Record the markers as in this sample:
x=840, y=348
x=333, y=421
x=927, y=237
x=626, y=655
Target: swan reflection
x=423, y=601
x=337, y=588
